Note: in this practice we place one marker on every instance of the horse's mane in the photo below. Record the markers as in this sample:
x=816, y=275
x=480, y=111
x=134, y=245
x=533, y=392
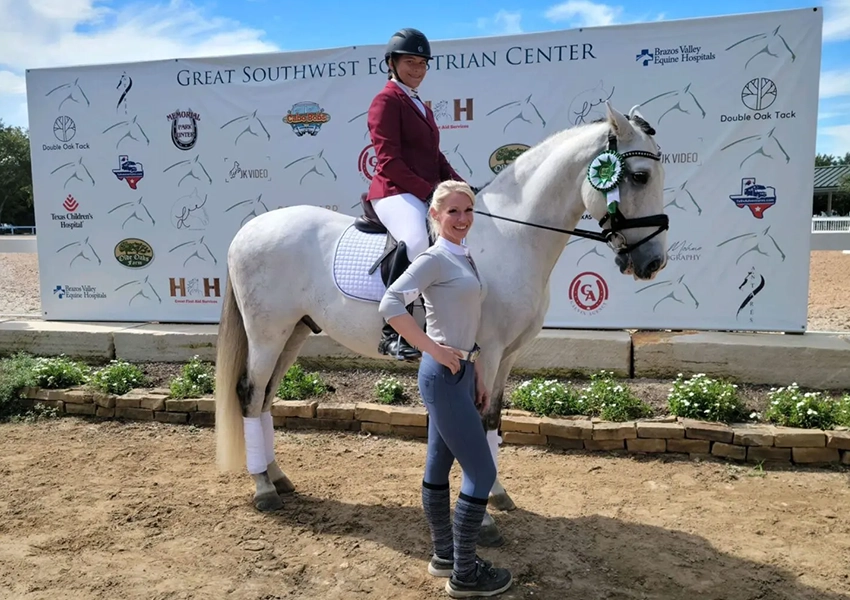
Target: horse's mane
x=642, y=124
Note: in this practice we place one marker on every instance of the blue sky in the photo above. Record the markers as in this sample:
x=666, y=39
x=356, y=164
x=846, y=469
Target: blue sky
x=44, y=33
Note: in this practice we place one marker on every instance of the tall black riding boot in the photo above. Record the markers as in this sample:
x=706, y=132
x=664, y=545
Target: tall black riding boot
x=392, y=344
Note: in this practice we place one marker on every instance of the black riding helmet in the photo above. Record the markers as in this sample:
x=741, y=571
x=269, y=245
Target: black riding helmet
x=407, y=41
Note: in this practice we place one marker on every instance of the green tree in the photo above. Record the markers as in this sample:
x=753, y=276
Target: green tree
x=828, y=160
x=16, y=203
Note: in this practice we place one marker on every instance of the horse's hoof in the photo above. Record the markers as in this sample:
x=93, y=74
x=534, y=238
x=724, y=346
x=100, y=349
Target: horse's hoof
x=268, y=502
x=501, y=502
x=284, y=485
x=490, y=536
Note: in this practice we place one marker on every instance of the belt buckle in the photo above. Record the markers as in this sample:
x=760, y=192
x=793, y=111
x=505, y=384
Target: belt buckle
x=474, y=353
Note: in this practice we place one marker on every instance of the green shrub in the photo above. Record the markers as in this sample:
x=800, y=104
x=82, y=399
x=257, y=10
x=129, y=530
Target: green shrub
x=702, y=397
x=546, y=397
x=610, y=400
x=389, y=390
x=60, y=372
x=16, y=373
x=119, y=377
x=298, y=385
x=196, y=379
x=842, y=411
x=789, y=407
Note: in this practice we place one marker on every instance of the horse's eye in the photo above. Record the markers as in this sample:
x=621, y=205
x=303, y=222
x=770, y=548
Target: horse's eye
x=640, y=177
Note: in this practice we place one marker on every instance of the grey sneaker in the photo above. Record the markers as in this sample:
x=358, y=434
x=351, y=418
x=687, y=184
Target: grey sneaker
x=443, y=567
x=487, y=581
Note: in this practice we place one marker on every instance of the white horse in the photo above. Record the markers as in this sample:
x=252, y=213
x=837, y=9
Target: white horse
x=281, y=282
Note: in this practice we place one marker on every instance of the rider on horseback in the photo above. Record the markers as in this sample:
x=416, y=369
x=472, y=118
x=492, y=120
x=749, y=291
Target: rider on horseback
x=410, y=165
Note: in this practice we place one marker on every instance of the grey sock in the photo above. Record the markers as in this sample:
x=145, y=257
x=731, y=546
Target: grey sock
x=436, y=502
x=469, y=514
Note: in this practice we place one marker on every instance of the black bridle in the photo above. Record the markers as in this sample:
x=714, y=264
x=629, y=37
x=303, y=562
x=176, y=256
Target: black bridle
x=618, y=222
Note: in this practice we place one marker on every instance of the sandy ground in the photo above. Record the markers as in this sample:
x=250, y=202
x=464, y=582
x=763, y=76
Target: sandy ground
x=105, y=510
x=829, y=289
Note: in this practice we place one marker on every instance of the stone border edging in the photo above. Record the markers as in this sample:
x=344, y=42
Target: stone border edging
x=666, y=435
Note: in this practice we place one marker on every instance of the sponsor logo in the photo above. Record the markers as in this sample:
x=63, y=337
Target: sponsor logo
x=306, y=118
x=78, y=292
x=64, y=130
x=252, y=172
x=449, y=113
x=758, y=95
x=367, y=162
x=588, y=293
x=125, y=84
x=752, y=285
x=129, y=171
x=684, y=250
x=758, y=198
x=251, y=124
x=189, y=212
x=589, y=105
x=134, y=253
x=680, y=158
x=195, y=290
x=673, y=55
x=505, y=155
x=184, y=128
x=71, y=219
x=524, y=110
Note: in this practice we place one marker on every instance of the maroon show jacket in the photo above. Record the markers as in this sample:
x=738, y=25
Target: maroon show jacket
x=407, y=147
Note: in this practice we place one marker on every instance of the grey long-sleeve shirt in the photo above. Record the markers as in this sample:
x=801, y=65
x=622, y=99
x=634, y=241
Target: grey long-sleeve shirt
x=451, y=289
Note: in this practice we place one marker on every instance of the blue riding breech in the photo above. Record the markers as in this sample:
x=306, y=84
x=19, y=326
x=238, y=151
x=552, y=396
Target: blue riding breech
x=454, y=428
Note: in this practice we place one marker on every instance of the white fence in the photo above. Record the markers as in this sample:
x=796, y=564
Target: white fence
x=826, y=224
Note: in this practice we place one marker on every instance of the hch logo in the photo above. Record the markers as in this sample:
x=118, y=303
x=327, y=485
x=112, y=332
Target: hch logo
x=448, y=114
x=181, y=287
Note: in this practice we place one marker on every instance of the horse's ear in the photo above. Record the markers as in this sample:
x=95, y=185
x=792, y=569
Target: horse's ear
x=621, y=125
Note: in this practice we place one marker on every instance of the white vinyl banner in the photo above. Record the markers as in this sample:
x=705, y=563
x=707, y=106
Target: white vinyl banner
x=144, y=172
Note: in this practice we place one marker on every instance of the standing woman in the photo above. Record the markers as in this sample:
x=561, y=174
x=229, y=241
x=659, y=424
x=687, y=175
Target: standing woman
x=406, y=140
x=451, y=388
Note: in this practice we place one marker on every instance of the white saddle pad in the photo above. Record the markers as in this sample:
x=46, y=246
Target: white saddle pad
x=355, y=254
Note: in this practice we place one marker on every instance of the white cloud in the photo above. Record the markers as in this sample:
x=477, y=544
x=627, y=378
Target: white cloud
x=834, y=84
x=52, y=33
x=836, y=20
x=502, y=23
x=836, y=139
x=583, y=13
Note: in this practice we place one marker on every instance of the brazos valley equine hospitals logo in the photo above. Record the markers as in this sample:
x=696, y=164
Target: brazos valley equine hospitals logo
x=184, y=128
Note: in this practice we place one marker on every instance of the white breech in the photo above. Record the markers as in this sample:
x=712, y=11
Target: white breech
x=405, y=217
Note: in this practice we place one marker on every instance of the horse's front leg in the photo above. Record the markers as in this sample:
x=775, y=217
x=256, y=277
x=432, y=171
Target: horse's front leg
x=499, y=498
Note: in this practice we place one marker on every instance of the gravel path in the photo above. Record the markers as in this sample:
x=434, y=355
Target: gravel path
x=829, y=289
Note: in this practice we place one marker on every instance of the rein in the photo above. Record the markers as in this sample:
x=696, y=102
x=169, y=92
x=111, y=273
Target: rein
x=618, y=222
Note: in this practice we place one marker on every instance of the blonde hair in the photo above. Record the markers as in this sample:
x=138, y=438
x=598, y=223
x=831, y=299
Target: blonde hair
x=443, y=191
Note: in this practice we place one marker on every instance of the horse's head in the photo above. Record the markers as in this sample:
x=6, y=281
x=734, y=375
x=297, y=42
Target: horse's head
x=624, y=191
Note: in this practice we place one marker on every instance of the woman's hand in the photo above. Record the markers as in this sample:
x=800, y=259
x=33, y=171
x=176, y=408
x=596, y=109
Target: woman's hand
x=448, y=357
x=482, y=395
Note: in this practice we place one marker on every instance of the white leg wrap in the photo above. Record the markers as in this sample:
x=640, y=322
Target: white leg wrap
x=268, y=435
x=493, y=439
x=255, y=452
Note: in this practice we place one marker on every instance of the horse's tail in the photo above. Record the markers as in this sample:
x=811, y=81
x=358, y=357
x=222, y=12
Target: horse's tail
x=230, y=365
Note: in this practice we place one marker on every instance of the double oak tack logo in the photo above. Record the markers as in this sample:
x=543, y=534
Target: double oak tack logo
x=134, y=253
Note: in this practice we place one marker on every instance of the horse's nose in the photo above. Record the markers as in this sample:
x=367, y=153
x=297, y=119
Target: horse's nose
x=649, y=268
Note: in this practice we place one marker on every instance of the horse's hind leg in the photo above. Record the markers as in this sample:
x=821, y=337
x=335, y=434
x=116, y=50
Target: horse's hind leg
x=263, y=357
x=290, y=353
